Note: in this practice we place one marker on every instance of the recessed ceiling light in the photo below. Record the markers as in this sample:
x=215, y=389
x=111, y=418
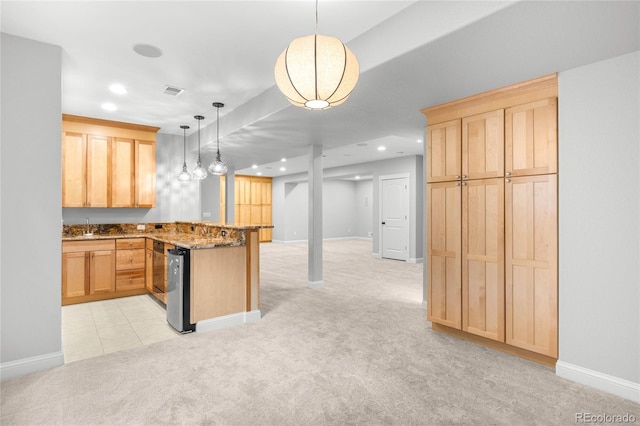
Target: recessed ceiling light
x=147, y=50
x=259, y=173
x=255, y=166
x=381, y=148
x=118, y=89
x=357, y=177
x=108, y=106
x=282, y=169
x=284, y=160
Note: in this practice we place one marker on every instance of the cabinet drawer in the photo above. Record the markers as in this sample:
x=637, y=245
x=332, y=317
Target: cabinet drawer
x=130, y=280
x=129, y=259
x=94, y=245
x=130, y=243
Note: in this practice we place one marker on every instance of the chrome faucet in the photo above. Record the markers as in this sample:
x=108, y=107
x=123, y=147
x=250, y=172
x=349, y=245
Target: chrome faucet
x=87, y=231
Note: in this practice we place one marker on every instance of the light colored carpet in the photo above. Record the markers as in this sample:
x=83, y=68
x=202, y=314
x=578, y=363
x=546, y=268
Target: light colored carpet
x=358, y=351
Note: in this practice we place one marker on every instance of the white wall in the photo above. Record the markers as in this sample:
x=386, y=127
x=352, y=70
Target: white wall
x=174, y=200
x=289, y=195
x=599, y=230
x=364, y=208
x=30, y=203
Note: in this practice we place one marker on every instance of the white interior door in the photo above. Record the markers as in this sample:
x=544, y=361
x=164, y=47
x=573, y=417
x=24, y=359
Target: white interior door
x=394, y=218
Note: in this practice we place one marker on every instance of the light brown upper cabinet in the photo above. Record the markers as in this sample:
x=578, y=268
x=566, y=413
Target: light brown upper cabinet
x=107, y=163
x=85, y=170
x=531, y=132
x=444, y=153
x=483, y=145
x=531, y=252
x=444, y=253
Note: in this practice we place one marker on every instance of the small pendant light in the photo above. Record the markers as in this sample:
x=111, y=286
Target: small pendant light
x=218, y=167
x=199, y=172
x=184, y=175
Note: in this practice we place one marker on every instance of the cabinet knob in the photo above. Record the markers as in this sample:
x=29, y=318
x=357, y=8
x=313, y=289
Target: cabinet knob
x=457, y=183
x=464, y=183
x=464, y=176
x=457, y=176
x=507, y=180
x=508, y=173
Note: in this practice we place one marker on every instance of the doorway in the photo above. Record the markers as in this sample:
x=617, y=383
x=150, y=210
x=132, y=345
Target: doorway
x=394, y=216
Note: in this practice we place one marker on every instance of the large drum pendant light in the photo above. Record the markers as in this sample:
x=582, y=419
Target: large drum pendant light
x=316, y=71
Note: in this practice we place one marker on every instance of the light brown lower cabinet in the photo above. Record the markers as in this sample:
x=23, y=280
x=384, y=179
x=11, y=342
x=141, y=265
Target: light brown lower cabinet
x=531, y=248
x=483, y=258
x=492, y=259
x=444, y=253
x=88, y=268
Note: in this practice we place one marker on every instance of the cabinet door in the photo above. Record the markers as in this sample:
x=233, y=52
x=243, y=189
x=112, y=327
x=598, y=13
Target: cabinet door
x=531, y=138
x=444, y=254
x=75, y=273
x=122, y=172
x=531, y=257
x=483, y=258
x=74, y=169
x=102, y=272
x=145, y=172
x=444, y=152
x=98, y=164
x=148, y=271
x=483, y=145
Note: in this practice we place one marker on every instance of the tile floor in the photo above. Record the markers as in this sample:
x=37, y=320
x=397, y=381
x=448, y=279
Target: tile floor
x=96, y=328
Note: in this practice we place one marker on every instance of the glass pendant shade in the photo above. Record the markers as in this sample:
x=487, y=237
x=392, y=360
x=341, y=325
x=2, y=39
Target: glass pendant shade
x=218, y=167
x=184, y=175
x=316, y=72
x=199, y=172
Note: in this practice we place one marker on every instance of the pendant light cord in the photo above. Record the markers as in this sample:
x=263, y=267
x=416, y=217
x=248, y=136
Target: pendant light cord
x=316, y=16
x=184, y=146
x=198, y=139
x=218, y=129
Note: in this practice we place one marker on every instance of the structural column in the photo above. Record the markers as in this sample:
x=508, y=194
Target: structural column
x=315, y=217
x=230, y=195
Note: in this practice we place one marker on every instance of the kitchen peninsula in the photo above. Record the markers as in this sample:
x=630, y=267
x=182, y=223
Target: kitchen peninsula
x=103, y=261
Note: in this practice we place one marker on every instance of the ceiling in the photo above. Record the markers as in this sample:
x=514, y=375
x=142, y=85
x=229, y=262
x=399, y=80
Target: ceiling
x=412, y=54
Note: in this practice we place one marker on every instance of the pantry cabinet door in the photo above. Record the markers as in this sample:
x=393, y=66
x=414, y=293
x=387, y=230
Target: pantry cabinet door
x=483, y=258
x=444, y=152
x=444, y=254
x=531, y=257
x=531, y=138
x=483, y=145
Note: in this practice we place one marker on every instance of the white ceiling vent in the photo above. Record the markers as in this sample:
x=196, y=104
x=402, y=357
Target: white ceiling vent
x=173, y=91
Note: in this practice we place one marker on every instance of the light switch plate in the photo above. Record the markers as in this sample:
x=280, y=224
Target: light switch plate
x=141, y=227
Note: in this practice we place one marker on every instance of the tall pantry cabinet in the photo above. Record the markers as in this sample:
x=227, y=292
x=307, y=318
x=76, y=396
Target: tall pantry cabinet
x=491, y=166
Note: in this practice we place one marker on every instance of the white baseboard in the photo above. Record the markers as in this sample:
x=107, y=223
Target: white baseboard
x=604, y=382
x=22, y=367
x=315, y=284
x=376, y=255
x=228, y=321
x=415, y=260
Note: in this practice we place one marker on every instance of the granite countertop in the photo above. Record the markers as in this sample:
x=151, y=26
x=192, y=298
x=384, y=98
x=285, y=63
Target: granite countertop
x=188, y=241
